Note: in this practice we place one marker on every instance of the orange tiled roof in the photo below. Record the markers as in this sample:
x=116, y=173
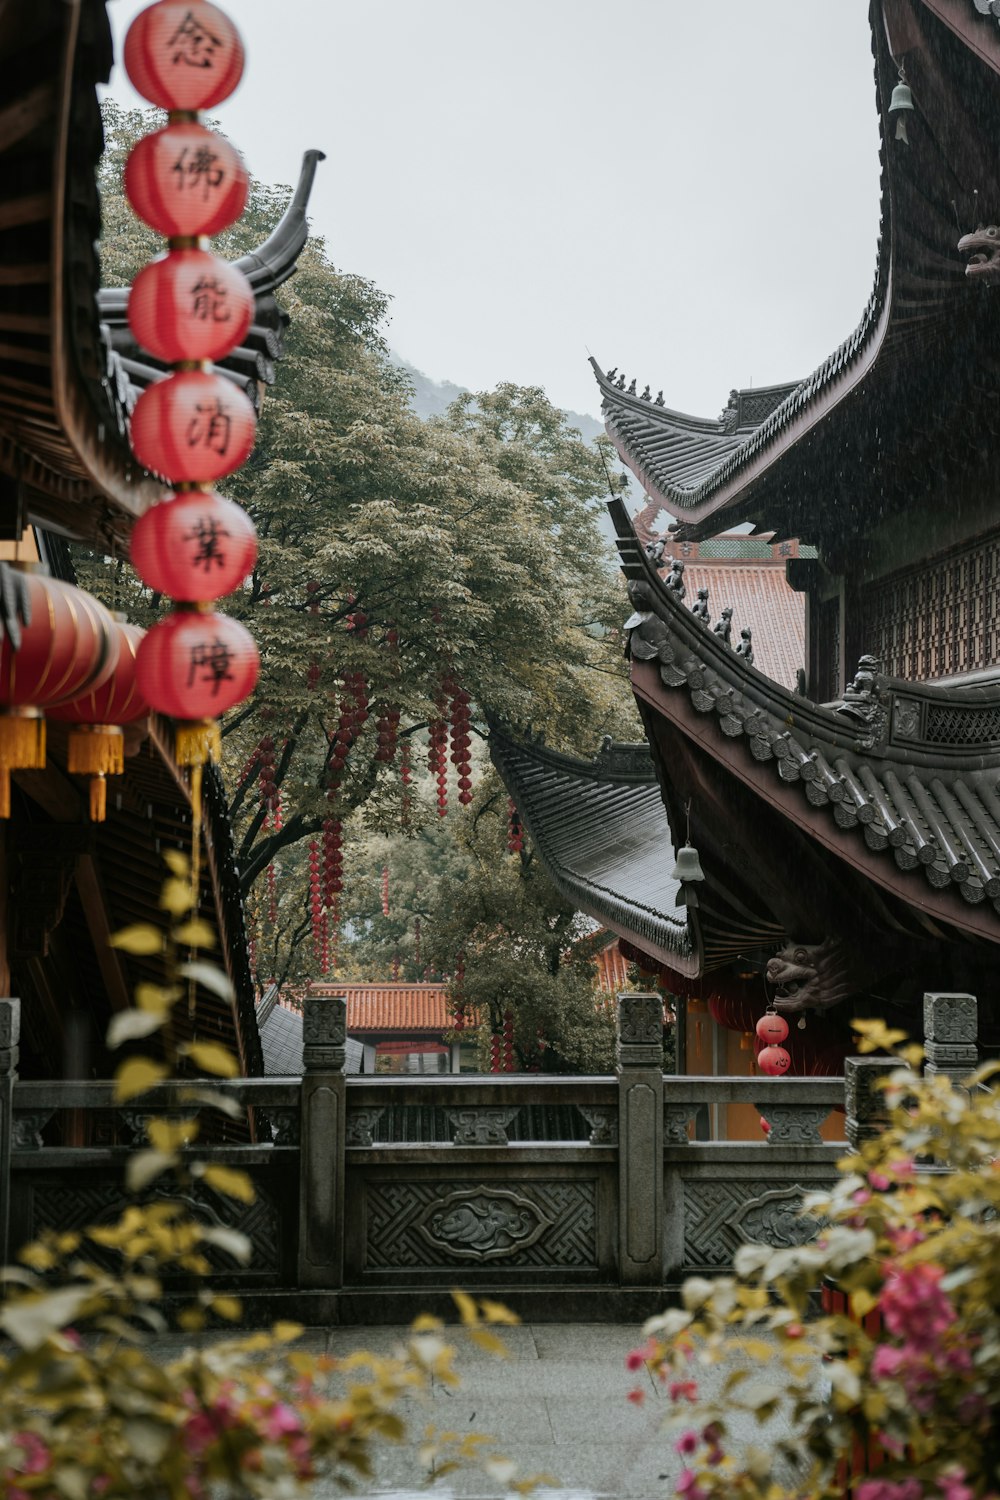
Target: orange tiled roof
x=392, y=1007
x=761, y=599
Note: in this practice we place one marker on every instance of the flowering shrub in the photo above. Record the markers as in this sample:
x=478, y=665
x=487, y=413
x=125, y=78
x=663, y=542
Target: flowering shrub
x=898, y=1391
x=89, y=1409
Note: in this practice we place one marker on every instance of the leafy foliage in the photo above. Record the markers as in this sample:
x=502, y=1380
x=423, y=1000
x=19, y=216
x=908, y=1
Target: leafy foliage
x=911, y=1367
x=394, y=554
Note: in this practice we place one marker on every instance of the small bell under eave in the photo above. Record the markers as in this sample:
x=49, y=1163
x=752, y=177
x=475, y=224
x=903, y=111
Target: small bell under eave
x=900, y=105
x=688, y=866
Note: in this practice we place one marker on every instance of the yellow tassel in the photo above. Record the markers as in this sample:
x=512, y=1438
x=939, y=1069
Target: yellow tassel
x=198, y=742
x=4, y=792
x=96, y=750
x=98, y=799
x=22, y=748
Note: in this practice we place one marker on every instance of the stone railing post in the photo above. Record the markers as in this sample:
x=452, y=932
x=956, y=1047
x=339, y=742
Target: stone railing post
x=864, y=1102
x=323, y=1133
x=951, y=1030
x=10, y=1033
x=640, y=1139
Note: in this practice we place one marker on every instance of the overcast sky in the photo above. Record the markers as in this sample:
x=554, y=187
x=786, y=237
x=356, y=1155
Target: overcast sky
x=688, y=188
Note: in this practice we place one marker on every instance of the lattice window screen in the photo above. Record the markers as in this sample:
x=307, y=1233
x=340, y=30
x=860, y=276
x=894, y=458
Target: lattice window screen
x=938, y=619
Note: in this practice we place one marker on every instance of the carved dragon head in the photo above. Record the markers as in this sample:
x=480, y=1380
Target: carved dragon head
x=809, y=976
x=982, y=247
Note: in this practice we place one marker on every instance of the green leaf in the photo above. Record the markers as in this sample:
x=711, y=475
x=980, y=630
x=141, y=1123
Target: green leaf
x=232, y=1241
x=136, y=1076
x=144, y=1167
x=212, y=1057
x=194, y=934
x=209, y=977
x=129, y=1025
x=228, y=1181
x=31, y=1320
x=141, y=939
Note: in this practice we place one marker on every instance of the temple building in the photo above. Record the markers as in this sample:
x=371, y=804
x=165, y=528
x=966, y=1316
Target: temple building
x=847, y=832
x=70, y=373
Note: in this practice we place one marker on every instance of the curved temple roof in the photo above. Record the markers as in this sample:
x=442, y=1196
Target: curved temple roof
x=926, y=325
x=601, y=831
x=901, y=780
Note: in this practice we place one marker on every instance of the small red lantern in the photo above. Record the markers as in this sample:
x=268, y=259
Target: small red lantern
x=68, y=647
x=194, y=546
x=772, y=1028
x=193, y=665
x=193, y=427
x=183, y=55
x=185, y=181
x=773, y=1061
x=190, y=305
x=97, y=744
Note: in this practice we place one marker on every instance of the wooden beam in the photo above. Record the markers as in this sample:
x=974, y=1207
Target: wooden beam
x=95, y=909
x=24, y=115
x=52, y=791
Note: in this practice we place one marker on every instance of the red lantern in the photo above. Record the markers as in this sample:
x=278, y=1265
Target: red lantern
x=190, y=305
x=193, y=666
x=183, y=55
x=773, y=1061
x=772, y=1028
x=193, y=427
x=185, y=181
x=194, y=546
x=97, y=744
x=68, y=647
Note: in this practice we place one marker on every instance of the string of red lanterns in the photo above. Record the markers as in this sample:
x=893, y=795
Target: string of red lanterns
x=189, y=307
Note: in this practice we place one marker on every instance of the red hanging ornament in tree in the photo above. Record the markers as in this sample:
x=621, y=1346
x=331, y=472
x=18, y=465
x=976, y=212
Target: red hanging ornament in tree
x=97, y=742
x=190, y=305
x=185, y=181
x=183, y=55
x=385, y=890
x=193, y=665
x=193, y=428
x=194, y=546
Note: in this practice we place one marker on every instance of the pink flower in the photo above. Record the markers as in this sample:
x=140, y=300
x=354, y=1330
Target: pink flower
x=683, y=1390
x=886, y=1362
x=688, y=1486
x=198, y=1433
x=687, y=1443
x=914, y=1307
x=903, y=1167
x=861, y=1197
x=635, y=1359
x=35, y=1455
x=879, y=1181
x=280, y=1421
x=888, y=1489
x=637, y=1397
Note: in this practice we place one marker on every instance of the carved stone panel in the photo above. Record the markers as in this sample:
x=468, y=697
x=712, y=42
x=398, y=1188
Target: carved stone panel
x=603, y=1122
x=360, y=1124
x=324, y=1033
x=793, y=1124
x=640, y=1018
x=676, y=1119
x=481, y=1127
x=905, y=719
x=28, y=1126
x=285, y=1125
x=951, y=1019
x=425, y=1224
x=490, y=1224
x=864, y=1100
x=720, y=1216
x=775, y=1218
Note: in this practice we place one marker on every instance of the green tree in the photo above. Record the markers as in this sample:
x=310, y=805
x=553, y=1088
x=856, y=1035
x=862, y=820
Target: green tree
x=399, y=561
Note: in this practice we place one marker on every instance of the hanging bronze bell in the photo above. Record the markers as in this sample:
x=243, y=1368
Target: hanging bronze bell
x=900, y=105
x=688, y=866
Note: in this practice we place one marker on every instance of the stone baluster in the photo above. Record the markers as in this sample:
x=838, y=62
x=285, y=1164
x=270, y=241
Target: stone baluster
x=640, y=1136
x=864, y=1100
x=323, y=1141
x=951, y=1029
x=10, y=1033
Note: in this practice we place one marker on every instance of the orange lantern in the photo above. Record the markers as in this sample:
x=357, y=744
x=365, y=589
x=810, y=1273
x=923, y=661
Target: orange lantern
x=190, y=305
x=96, y=742
x=183, y=55
x=193, y=427
x=192, y=666
x=185, y=181
x=773, y=1061
x=772, y=1028
x=68, y=646
x=194, y=546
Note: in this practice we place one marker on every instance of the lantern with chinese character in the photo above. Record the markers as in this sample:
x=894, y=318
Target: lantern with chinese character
x=97, y=741
x=185, y=181
x=194, y=546
x=67, y=646
x=772, y=1028
x=183, y=55
x=773, y=1061
x=190, y=305
x=189, y=308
